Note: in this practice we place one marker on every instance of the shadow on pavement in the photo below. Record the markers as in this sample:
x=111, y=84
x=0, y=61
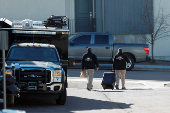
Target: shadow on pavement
x=107, y=91
x=80, y=104
x=140, y=89
x=122, y=90
x=136, y=75
x=73, y=104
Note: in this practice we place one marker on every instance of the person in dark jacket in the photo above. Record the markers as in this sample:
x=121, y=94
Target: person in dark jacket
x=88, y=63
x=119, y=65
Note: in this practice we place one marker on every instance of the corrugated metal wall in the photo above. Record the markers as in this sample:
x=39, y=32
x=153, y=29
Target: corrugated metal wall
x=119, y=14
x=99, y=15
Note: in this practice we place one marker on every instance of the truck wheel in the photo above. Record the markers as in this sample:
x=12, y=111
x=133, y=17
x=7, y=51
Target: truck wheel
x=62, y=98
x=9, y=100
x=9, y=104
x=130, y=65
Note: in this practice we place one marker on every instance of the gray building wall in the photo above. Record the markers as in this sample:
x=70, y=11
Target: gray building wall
x=37, y=10
x=119, y=15
x=99, y=15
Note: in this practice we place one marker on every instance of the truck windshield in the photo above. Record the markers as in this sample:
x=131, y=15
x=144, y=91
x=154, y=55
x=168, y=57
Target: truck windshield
x=33, y=54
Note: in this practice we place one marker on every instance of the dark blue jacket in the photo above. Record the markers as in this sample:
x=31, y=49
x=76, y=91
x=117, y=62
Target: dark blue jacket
x=119, y=62
x=89, y=61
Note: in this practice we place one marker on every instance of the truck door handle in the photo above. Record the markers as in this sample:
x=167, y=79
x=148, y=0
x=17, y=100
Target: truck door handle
x=107, y=47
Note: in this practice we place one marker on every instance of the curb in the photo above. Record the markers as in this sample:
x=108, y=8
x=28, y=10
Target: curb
x=136, y=67
x=151, y=67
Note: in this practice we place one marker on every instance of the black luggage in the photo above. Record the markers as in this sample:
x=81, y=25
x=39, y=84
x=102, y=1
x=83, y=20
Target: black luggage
x=109, y=80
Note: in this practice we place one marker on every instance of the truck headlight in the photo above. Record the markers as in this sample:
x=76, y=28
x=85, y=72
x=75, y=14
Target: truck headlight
x=8, y=72
x=57, y=75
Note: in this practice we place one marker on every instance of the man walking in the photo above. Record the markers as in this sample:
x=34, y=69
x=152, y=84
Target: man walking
x=88, y=63
x=119, y=65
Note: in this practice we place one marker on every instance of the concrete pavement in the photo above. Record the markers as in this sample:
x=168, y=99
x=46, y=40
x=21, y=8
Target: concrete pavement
x=145, y=93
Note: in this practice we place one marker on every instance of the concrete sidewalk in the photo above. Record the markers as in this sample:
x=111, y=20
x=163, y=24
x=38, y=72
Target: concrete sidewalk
x=151, y=67
x=136, y=67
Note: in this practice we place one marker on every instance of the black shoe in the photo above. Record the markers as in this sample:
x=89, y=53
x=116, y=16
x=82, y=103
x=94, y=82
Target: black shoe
x=124, y=88
x=88, y=89
x=117, y=87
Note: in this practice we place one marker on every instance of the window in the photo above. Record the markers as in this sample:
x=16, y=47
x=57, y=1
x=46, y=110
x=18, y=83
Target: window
x=101, y=39
x=32, y=54
x=84, y=39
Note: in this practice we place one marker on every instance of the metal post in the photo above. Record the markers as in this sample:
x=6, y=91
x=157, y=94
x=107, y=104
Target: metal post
x=3, y=47
x=4, y=78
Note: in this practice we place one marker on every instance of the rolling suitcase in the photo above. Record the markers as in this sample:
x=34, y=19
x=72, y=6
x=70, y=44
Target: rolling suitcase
x=109, y=80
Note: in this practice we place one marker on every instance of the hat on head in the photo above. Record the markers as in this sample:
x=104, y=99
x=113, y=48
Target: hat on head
x=120, y=50
x=89, y=49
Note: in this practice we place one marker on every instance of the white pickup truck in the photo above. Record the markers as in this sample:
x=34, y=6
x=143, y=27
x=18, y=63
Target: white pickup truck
x=103, y=46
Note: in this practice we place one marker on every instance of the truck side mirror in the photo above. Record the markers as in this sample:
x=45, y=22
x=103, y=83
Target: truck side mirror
x=71, y=62
x=72, y=43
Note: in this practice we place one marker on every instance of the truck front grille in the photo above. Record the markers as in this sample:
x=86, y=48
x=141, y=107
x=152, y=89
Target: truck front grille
x=33, y=75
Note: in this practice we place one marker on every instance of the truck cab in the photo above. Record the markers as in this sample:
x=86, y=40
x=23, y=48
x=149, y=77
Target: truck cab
x=38, y=59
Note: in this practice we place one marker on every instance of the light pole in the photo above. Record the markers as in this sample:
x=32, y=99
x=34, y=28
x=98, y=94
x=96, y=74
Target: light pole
x=3, y=47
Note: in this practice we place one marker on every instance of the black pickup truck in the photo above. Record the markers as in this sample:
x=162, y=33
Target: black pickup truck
x=38, y=59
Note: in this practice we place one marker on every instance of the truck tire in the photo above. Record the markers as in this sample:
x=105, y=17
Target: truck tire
x=62, y=98
x=9, y=100
x=130, y=65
